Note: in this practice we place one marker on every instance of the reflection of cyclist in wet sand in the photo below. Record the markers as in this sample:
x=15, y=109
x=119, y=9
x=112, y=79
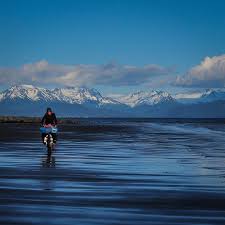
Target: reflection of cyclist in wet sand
x=49, y=120
x=48, y=161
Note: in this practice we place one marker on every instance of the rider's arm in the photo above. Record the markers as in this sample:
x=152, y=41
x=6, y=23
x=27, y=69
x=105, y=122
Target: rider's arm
x=43, y=120
x=55, y=119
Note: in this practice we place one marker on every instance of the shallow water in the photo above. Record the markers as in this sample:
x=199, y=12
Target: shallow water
x=114, y=172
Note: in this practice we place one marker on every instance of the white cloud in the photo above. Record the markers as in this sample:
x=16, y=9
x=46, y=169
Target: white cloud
x=83, y=74
x=209, y=73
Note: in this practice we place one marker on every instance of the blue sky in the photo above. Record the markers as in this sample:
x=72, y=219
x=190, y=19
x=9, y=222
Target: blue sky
x=170, y=34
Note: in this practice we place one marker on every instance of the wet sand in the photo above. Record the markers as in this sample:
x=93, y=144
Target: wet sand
x=114, y=172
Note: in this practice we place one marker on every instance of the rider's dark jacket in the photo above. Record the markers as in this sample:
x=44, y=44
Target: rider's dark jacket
x=49, y=119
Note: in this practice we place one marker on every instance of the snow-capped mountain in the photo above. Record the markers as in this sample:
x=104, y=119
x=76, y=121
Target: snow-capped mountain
x=213, y=95
x=147, y=98
x=69, y=95
x=68, y=101
x=28, y=100
x=81, y=96
x=208, y=95
x=27, y=92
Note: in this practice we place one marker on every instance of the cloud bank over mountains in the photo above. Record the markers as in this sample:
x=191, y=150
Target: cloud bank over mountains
x=210, y=73
x=83, y=74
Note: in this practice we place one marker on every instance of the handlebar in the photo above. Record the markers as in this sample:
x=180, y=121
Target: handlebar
x=49, y=125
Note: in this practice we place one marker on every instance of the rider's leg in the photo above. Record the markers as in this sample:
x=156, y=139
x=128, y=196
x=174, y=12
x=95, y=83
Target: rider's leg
x=44, y=141
x=42, y=137
x=54, y=138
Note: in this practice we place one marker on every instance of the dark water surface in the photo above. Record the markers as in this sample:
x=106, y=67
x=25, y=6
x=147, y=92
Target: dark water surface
x=114, y=172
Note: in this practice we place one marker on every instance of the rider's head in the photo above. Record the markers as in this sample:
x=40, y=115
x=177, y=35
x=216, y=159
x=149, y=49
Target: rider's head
x=49, y=111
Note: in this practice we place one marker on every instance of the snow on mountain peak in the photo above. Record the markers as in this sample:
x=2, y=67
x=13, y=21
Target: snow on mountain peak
x=146, y=98
x=71, y=95
x=26, y=92
x=22, y=92
x=207, y=95
x=89, y=96
x=213, y=95
x=77, y=95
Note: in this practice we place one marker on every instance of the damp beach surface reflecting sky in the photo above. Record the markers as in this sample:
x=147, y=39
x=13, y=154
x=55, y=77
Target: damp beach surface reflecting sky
x=114, y=172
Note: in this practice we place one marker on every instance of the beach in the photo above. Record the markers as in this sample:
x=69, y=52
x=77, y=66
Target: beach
x=114, y=171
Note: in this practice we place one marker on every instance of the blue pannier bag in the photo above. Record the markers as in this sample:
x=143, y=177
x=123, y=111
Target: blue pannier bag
x=47, y=130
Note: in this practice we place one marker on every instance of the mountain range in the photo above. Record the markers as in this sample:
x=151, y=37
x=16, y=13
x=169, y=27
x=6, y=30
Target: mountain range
x=28, y=100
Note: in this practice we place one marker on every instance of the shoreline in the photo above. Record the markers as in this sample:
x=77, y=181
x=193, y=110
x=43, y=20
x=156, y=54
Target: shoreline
x=36, y=120
x=76, y=120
